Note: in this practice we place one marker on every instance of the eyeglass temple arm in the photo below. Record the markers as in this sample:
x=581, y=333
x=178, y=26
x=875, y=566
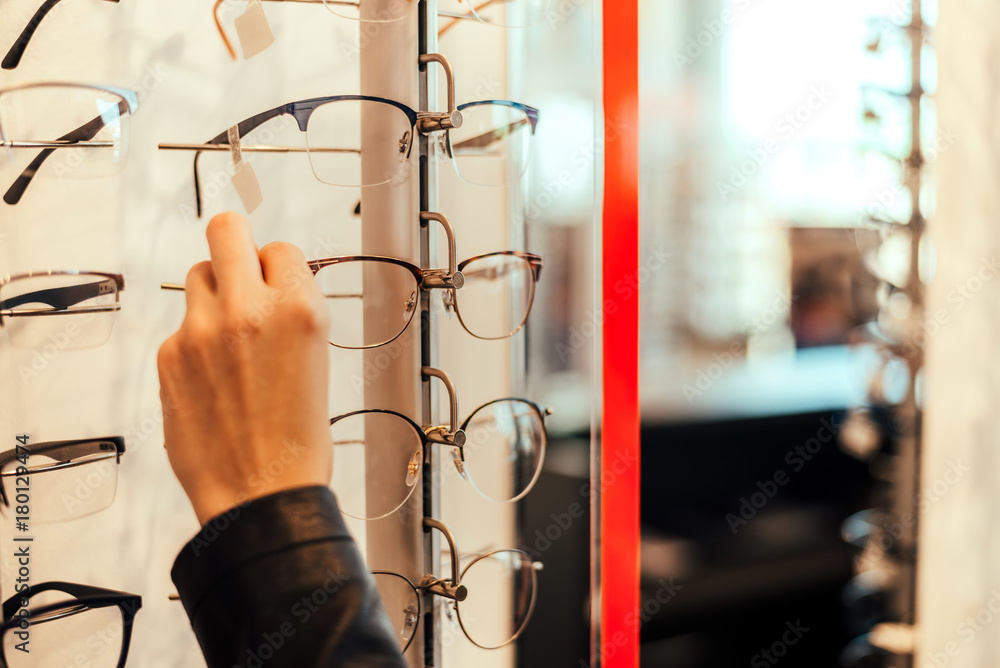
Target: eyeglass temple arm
x=245, y=128
x=487, y=138
x=67, y=450
x=82, y=133
x=466, y=16
x=13, y=57
x=456, y=590
x=62, y=298
x=454, y=436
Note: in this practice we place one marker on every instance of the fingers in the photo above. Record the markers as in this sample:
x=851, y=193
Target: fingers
x=285, y=267
x=200, y=286
x=234, y=252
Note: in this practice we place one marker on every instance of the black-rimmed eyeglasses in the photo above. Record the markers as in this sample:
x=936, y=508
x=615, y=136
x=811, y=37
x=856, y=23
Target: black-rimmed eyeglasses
x=61, y=480
x=13, y=57
x=64, y=309
x=66, y=624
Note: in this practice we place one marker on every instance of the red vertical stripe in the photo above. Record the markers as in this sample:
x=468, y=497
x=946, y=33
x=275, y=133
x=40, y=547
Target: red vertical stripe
x=620, y=429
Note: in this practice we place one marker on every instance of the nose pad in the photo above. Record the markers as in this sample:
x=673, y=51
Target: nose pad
x=442, y=144
x=409, y=305
x=456, y=458
x=413, y=468
x=409, y=622
x=452, y=614
x=404, y=146
x=448, y=300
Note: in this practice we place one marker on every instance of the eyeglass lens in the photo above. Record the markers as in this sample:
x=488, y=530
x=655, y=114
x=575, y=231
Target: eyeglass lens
x=351, y=9
x=351, y=142
x=45, y=114
x=493, y=145
x=505, y=13
x=69, y=311
x=402, y=602
x=501, y=592
x=370, y=303
x=60, y=493
x=370, y=441
x=73, y=636
x=496, y=297
x=503, y=449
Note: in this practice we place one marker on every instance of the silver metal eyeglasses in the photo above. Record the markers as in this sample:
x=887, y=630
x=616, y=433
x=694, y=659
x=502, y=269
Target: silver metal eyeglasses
x=373, y=299
x=499, y=449
x=491, y=599
x=77, y=129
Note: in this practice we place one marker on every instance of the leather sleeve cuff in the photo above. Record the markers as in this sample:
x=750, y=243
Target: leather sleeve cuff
x=252, y=531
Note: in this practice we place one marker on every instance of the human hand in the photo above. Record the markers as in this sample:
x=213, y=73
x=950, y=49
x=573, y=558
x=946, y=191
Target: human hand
x=244, y=381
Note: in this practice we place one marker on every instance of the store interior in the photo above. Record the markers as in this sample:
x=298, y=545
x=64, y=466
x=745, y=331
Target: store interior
x=816, y=248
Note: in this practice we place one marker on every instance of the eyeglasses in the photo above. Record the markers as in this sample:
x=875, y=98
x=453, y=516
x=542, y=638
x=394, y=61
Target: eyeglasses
x=503, y=13
x=67, y=624
x=363, y=141
x=61, y=480
x=373, y=299
x=499, y=449
x=65, y=309
x=13, y=57
x=88, y=125
x=492, y=599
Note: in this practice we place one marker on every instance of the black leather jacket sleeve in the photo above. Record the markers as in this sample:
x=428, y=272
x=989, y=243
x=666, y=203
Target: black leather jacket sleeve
x=279, y=582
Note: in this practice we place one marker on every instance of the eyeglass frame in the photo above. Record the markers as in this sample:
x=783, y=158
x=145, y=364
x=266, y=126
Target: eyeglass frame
x=48, y=446
x=91, y=598
x=302, y=110
x=81, y=136
x=455, y=591
x=20, y=45
x=454, y=436
x=118, y=279
x=455, y=16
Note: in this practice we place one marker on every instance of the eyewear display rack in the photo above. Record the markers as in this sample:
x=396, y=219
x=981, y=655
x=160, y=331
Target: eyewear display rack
x=398, y=62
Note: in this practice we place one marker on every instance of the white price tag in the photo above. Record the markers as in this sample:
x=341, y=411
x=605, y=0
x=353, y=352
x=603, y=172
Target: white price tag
x=247, y=186
x=253, y=30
